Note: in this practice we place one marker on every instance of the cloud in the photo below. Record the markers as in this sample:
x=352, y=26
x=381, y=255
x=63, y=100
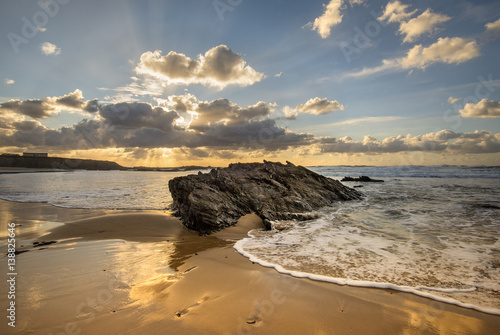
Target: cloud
x=138, y=115
x=290, y=113
x=426, y=22
x=216, y=125
x=9, y=81
x=492, y=30
x=447, y=50
x=138, y=87
x=369, y=119
x=452, y=100
x=444, y=141
x=225, y=112
x=37, y=109
x=180, y=103
x=483, y=109
x=44, y=108
x=387, y=65
x=331, y=17
x=318, y=106
x=48, y=48
x=219, y=67
x=395, y=11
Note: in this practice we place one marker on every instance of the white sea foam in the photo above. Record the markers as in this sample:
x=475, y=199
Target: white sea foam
x=419, y=236
x=419, y=290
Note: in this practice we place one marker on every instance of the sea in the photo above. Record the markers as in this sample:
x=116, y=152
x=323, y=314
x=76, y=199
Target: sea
x=433, y=231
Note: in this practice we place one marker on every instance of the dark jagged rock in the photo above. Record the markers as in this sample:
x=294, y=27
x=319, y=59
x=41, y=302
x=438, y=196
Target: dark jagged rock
x=212, y=201
x=363, y=179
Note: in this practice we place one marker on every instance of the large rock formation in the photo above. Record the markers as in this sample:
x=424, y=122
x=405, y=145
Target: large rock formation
x=212, y=201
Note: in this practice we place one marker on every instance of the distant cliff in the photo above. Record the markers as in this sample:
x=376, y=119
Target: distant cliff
x=58, y=163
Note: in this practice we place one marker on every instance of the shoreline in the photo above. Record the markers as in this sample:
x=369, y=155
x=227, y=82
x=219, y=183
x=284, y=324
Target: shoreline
x=145, y=272
x=424, y=292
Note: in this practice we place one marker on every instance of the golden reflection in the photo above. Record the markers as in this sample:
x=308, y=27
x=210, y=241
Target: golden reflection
x=144, y=269
x=5, y=218
x=433, y=318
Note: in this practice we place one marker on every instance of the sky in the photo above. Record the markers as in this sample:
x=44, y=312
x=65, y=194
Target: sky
x=210, y=82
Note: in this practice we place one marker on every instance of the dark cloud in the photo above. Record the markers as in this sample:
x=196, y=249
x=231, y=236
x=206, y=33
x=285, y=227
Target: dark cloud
x=220, y=129
x=226, y=112
x=138, y=115
x=41, y=109
x=37, y=109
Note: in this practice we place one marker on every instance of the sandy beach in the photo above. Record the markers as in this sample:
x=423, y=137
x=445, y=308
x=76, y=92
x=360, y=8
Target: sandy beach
x=142, y=272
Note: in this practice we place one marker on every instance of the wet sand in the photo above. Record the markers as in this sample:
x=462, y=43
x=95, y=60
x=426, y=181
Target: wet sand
x=142, y=272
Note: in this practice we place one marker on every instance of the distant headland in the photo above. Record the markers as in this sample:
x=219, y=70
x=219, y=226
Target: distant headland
x=42, y=161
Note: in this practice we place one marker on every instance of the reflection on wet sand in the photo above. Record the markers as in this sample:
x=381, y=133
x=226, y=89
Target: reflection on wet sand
x=144, y=273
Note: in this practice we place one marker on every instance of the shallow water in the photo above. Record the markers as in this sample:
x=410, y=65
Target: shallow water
x=91, y=189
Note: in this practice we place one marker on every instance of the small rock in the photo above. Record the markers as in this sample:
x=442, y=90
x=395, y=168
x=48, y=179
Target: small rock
x=39, y=244
x=251, y=321
x=363, y=179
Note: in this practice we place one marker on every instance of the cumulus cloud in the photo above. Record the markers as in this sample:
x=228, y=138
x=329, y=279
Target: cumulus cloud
x=44, y=108
x=395, y=11
x=218, y=67
x=412, y=28
x=180, y=103
x=48, y=48
x=9, y=81
x=331, y=17
x=426, y=22
x=492, y=30
x=447, y=50
x=479, y=141
x=225, y=112
x=483, y=109
x=318, y=106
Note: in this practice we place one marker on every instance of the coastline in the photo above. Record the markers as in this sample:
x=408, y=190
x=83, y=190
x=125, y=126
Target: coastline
x=136, y=272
